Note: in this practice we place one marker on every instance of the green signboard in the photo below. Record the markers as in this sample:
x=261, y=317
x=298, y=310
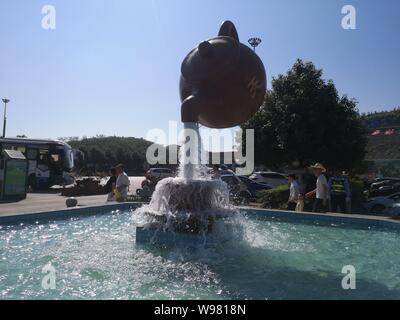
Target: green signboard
x=15, y=178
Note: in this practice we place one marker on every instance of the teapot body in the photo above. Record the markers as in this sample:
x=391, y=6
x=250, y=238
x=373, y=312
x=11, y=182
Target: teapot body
x=223, y=82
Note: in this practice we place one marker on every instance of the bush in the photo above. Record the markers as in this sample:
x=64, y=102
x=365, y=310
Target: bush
x=275, y=198
x=357, y=195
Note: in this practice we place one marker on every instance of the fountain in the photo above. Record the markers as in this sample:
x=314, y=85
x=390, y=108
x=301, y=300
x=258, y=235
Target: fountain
x=222, y=85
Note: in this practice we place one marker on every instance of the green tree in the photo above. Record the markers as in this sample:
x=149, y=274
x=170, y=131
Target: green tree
x=105, y=152
x=96, y=156
x=304, y=120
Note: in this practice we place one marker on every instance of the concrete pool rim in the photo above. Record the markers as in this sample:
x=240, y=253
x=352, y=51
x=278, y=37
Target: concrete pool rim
x=267, y=214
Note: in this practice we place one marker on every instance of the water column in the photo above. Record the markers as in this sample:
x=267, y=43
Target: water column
x=190, y=155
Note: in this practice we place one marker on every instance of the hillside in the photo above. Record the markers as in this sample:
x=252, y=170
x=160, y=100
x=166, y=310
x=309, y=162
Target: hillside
x=384, y=134
x=100, y=153
x=383, y=147
x=382, y=120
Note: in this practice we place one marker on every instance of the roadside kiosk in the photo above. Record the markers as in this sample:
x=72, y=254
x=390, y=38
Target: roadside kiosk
x=13, y=175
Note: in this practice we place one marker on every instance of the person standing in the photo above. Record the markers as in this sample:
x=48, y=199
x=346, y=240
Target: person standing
x=110, y=185
x=339, y=192
x=122, y=184
x=294, y=192
x=300, y=204
x=321, y=191
x=349, y=195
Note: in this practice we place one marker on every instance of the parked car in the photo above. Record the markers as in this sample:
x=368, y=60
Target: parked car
x=384, y=187
x=385, y=179
x=379, y=204
x=254, y=186
x=238, y=191
x=273, y=179
x=393, y=210
x=159, y=174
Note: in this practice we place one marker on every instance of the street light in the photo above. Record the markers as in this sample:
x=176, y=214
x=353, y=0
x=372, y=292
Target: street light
x=255, y=42
x=5, y=116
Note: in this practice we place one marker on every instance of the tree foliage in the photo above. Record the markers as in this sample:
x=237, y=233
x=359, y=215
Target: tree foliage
x=101, y=153
x=382, y=119
x=304, y=120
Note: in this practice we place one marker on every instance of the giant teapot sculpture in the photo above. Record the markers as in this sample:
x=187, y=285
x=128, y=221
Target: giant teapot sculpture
x=223, y=81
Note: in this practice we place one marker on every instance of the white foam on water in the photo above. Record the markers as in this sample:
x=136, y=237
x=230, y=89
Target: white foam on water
x=193, y=202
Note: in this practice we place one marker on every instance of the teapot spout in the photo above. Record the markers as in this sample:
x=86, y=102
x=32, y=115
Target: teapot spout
x=190, y=110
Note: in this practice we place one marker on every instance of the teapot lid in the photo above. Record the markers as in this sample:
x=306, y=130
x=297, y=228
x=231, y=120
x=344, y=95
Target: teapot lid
x=210, y=58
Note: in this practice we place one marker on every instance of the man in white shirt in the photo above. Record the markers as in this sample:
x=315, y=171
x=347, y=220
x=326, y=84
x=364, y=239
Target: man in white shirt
x=294, y=194
x=322, y=189
x=122, y=184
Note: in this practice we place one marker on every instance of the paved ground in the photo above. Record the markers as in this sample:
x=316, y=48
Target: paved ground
x=136, y=183
x=36, y=202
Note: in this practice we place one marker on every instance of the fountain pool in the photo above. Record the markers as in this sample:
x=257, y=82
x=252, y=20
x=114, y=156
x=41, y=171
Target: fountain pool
x=96, y=257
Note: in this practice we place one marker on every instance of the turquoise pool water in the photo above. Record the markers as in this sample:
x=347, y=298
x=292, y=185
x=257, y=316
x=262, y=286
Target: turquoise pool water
x=97, y=258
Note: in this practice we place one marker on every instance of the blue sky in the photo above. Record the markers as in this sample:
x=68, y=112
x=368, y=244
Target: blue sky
x=113, y=66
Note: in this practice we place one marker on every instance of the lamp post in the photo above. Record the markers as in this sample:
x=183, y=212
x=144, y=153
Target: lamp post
x=5, y=116
x=254, y=42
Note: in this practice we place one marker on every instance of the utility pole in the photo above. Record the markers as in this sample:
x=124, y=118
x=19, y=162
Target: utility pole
x=254, y=43
x=5, y=116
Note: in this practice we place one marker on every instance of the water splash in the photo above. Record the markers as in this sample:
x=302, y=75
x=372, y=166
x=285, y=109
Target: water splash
x=193, y=202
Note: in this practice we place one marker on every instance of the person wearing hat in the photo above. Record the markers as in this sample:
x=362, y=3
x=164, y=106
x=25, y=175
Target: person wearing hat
x=122, y=184
x=321, y=191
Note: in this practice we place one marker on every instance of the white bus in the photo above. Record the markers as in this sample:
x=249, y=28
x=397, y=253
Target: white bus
x=50, y=161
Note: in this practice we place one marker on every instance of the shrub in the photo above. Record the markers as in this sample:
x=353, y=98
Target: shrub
x=275, y=198
x=357, y=195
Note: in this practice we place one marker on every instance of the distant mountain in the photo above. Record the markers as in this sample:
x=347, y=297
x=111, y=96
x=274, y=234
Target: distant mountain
x=383, y=147
x=384, y=134
x=382, y=120
x=100, y=153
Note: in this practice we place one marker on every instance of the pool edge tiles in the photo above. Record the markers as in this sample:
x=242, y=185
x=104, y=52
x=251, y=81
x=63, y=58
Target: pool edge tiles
x=324, y=219
x=289, y=216
x=67, y=213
